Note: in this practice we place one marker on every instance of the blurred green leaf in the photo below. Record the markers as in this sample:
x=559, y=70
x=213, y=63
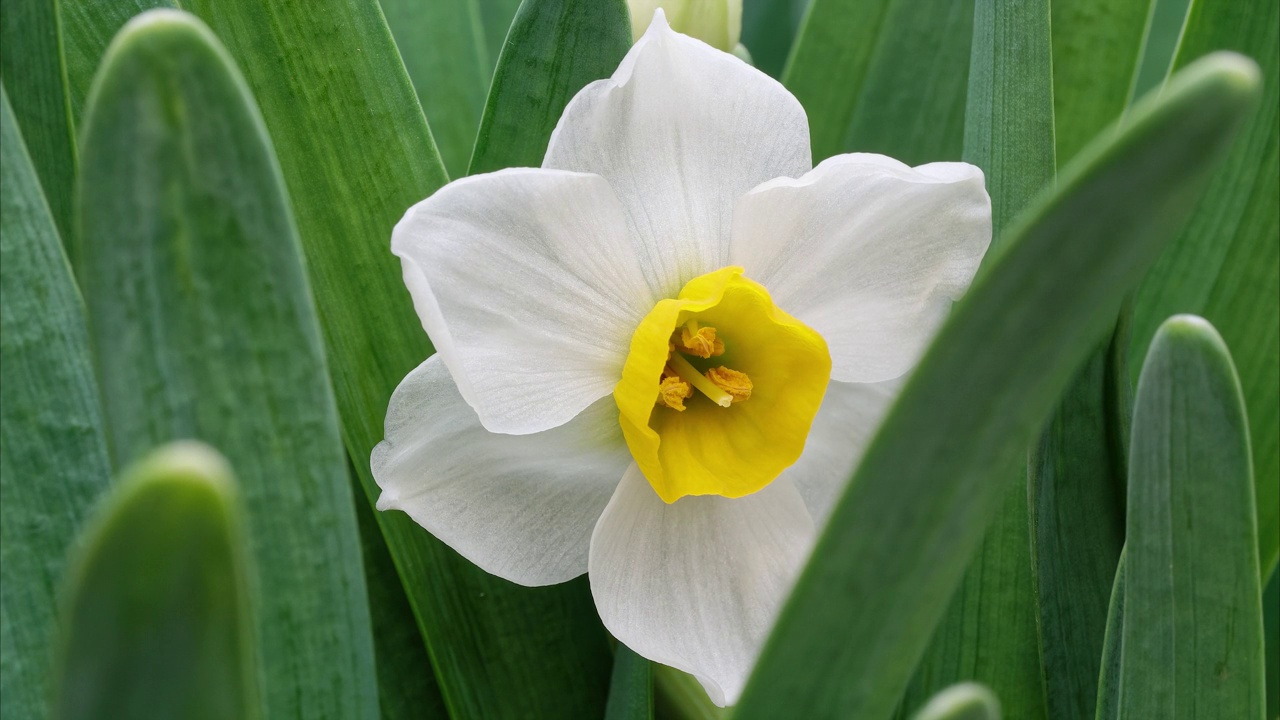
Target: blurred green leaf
x=495, y=19
x=1192, y=644
x=631, y=689
x=1271, y=628
x=1225, y=266
x=679, y=695
x=54, y=457
x=919, y=503
x=989, y=632
x=1096, y=46
x=35, y=78
x=965, y=701
x=157, y=621
x=885, y=76
x=1108, y=701
x=1164, y=25
x=407, y=688
x=555, y=48
x=203, y=327
x=87, y=29
x=356, y=153
x=443, y=47
x=768, y=29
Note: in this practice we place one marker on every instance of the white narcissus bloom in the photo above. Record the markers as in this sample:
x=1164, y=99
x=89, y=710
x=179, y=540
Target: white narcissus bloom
x=660, y=354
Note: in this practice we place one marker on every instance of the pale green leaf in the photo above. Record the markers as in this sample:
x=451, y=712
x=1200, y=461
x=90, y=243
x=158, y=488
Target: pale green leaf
x=965, y=701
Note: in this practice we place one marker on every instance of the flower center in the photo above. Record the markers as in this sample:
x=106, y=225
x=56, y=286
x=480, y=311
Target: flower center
x=719, y=389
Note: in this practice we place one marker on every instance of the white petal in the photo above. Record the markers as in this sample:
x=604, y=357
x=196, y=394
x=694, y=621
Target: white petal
x=680, y=131
x=528, y=286
x=868, y=252
x=520, y=506
x=845, y=424
x=696, y=584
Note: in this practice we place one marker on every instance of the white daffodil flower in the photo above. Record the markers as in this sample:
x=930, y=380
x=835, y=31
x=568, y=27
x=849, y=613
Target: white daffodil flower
x=661, y=353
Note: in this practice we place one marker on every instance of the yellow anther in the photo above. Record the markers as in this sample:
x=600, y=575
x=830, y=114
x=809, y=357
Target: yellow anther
x=699, y=341
x=672, y=392
x=737, y=384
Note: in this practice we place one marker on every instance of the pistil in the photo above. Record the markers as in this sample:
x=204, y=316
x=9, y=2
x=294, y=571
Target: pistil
x=690, y=374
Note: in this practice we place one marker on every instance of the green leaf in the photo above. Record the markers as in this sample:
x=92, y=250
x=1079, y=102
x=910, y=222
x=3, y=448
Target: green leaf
x=1192, y=644
x=54, y=460
x=679, y=695
x=965, y=701
x=1076, y=492
x=443, y=47
x=87, y=29
x=885, y=76
x=919, y=503
x=1159, y=43
x=1108, y=702
x=407, y=688
x=157, y=621
x=1095, y=56
x=498, y=649
x=768, y=29
x=202, y=321
x=555, y=48
x=35, y=77
x=1271, y=626
x=631, y=689
x=495, y=19
x=989, y=633
x=1225, y=266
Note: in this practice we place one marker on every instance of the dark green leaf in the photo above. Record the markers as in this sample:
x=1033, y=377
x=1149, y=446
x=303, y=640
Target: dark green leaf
x=554, y=49
x=1225, y=266
x=1108, y=702
x=203, y=325
x=54, y=460
x=966, y=701
x=1271, y=626
x=631, y=689
x=87, y=28
x=157, y=621
x=1096, y=46
x=768, y=28
x=1192, y=641
x=495, y=19
x=918, y=505
x=443, y=47
x=356, y=154
x=407, y=688
x=35, y=78
x=1159, y=43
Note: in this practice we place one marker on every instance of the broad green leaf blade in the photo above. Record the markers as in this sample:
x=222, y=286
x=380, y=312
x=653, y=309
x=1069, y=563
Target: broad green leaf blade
x=554, y=49
x=1225, y=266
x=911, y=104
x=631, y=689
x=203, y=326
x=356, y=153
x=828, y=65
x=1159, y=43
x=1076, y=489
x=35, y=78
x=157, y=621
x=1108, y=702
x=965, y=701
x=53, y=460
x=443, y=47
x=1271, y=626
x=495, y=19
x=407, y=688
x=768, y=29
x=884, y=76
x=1192, y=643
x=1096, y=47
x=989, y=632
x=87, y=29
x=919, y=503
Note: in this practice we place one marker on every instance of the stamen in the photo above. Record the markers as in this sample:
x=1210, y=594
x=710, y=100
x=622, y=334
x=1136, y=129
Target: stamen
x=699, y=341
x=690, y=374
x=672, y=391
x=733, y=382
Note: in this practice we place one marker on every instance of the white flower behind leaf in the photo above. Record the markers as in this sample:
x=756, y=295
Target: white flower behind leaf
x=661, y=354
